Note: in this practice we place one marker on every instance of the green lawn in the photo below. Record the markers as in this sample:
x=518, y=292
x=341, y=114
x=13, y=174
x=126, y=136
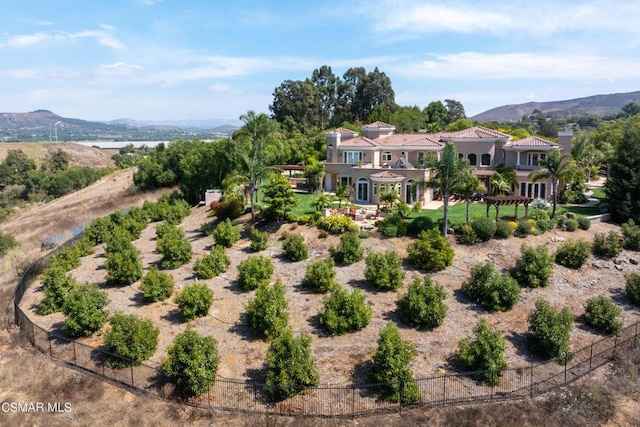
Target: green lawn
x=598, y=193
x=457, y=212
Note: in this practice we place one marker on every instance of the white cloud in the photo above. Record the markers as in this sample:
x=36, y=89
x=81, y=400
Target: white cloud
x=119, y=69
x=224, y=88
x=104, y=37
x=519, y=65
x=47, y=73
x=413, y=17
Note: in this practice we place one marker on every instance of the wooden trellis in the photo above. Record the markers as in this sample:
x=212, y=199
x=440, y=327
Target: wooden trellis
x=497, y=201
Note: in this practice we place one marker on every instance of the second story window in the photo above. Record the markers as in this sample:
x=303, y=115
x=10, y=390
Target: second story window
x=485, y=160
x=352, y=157
x=473, y=159
x=534, y=159
x=386, y=156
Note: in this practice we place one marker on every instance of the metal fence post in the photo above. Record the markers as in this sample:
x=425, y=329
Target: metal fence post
x=591, y=356
x=531, y=381
x=132, y=375
x=635, y=336
x=50, y=349
x=444, y=388
x=75, y=359
x=353, y=400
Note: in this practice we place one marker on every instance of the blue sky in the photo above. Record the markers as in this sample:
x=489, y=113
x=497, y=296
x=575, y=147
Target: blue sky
x=187, y=59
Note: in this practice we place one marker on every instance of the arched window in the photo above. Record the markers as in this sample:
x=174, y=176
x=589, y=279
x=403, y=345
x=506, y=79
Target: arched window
x=485, y=160
x=460, y=156
x=386, y=156
x=473, y=159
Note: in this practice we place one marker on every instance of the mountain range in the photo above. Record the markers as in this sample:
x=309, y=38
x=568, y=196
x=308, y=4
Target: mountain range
x=43, y=125
x=597, y=105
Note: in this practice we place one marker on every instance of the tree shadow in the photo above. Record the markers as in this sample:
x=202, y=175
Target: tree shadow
x=138, y=299
x=519, y=341
x=318, y=330
x=234, y=287
x=363, y=285
x=243, y=330
x=619, y=296
x=174, y=317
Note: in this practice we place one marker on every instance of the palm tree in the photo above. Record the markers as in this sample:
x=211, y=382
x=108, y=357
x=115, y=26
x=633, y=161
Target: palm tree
x=500, y=186
x=468, y=186
x=342, y=193
x=555, y=167
x=446, y=174
x=257, y=127
x=322, y=200
x=389, y=195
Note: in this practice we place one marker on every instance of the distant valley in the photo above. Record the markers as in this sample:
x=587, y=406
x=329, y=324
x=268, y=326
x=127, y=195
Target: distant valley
x=44, y=125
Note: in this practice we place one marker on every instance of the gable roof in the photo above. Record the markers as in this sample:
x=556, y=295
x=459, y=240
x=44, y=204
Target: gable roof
x=395, y=141
x=531, y=141
x=378, y=125
x=342, y=131
x=475, y=132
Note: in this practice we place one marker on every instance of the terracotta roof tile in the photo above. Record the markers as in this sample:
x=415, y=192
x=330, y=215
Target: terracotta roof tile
x=378, y=125
x=532, y=141
x=385, y=174
x=341, y=131
x=361, y=141
x=474, y=132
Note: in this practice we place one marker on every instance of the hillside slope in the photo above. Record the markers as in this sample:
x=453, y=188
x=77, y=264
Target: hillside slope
x=598, y=105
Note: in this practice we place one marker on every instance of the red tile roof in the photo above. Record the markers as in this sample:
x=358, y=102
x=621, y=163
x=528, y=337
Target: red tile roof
x=474, y=132
x=386, y=174
x=362, y=141
x=532, y=141
x=341, y=131
x=378, y=125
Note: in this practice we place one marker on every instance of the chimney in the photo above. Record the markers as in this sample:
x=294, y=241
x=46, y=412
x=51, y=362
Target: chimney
x=333, y=142
x=564, y=141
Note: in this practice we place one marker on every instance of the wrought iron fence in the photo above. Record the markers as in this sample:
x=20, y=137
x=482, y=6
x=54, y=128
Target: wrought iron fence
x=324, y=400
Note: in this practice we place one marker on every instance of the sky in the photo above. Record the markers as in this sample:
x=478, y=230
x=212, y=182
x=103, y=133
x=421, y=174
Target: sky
x=218, y=59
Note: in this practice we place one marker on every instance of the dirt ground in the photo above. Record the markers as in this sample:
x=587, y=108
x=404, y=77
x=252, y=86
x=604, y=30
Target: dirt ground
x=27, y=376
x=338, y=357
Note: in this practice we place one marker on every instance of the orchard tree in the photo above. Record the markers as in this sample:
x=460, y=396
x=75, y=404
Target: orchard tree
x=391, y=369
x=484, y=353
x=279, y=198
x=130, y=339
x=266, y=313
x=84, y=309
x=423, y=305
x=192, y=362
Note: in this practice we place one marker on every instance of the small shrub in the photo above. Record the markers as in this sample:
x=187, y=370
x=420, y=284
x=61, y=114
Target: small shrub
x=254, y=271
x=571, y=224
x=524, y=228
x=573, y=253
x=266, y=313
x=337, y=224
x=384, y=270
x=294, y=248
x=156, y=285
x=259, y=240
x=484, y=354
x=550, y=331
x=545, y=225
x=601, y=313
x=431, y=251
x=534, y=268
x=504, y=229
x=393, y=226
x=194, y=301
x=55, y=286
x=608, y=245
x=421, y=223
x=631, y=235
x=632, y=288
x=7, y=242
x=584, y=223
x=290, y=366
x=423, y=307
x=230, y=209
x=349, y=250
x=212, y=264
x=492, y=290
x=391, y=368
x=364, y=234
x=467, y=236
x=130, y=339
x=323, y=234
x=226, y=234
x=191, y=363
x=344, y=312
x=320, y=276
x=484, y=228
x=84, y=309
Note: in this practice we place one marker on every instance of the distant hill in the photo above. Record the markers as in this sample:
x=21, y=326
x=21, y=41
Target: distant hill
x=44, y=125
x=598, y=105
x=216, y=125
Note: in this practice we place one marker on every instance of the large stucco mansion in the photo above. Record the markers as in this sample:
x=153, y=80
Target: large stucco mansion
x=382, y=158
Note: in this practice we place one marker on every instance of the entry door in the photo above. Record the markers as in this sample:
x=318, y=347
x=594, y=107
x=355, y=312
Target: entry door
x=362, y=191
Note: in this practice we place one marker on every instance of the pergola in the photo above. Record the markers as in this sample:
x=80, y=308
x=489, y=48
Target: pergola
x=497, y=201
